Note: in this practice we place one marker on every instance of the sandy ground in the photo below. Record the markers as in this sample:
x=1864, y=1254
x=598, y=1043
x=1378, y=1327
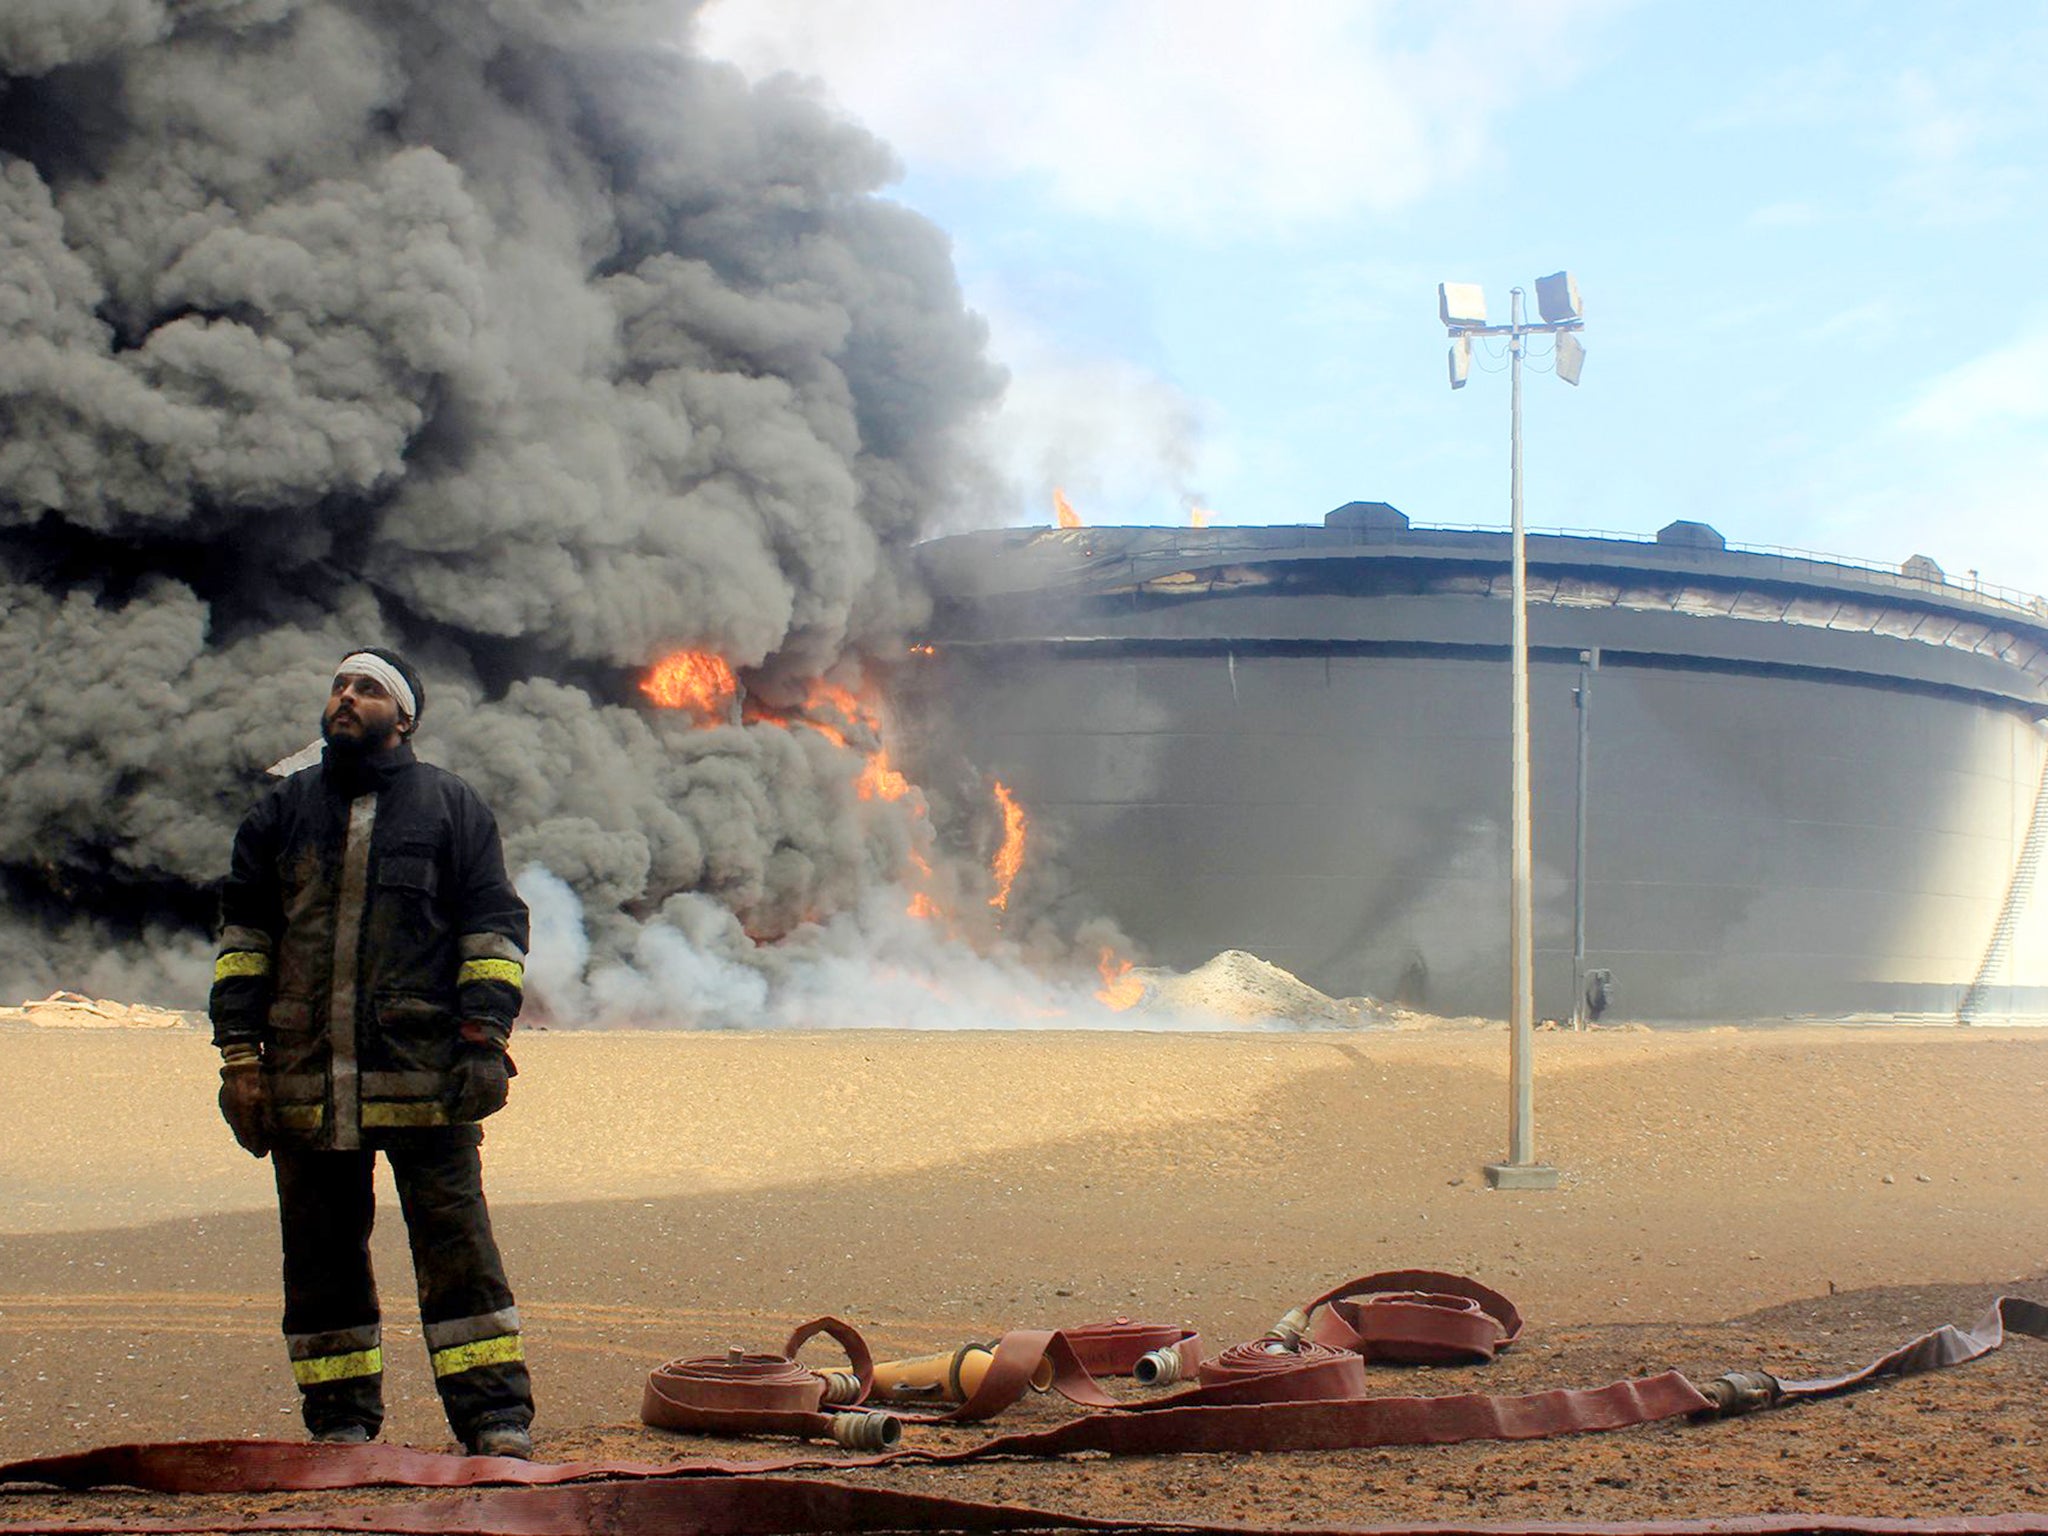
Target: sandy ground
x=1797, y=1199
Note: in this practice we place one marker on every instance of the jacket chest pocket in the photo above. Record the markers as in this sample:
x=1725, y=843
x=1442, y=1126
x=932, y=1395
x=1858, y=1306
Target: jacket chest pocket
x=407, y=899
x=410, y=871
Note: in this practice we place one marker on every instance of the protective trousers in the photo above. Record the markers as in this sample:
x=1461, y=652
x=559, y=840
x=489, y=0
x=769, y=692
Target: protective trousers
x=326, y=1208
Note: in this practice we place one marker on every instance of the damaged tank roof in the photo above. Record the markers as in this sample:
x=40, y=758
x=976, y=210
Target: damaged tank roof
x=1122, y=583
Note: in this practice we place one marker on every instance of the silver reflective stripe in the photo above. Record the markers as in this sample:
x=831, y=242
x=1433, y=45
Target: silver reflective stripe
x=336, y=1341
x=348, y=943
x=404, y=1085
x=490, y=946
x=467, y=1330
x=234, y=939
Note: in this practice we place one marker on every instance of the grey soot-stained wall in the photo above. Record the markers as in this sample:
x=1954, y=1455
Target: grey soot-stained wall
x=1810, y=786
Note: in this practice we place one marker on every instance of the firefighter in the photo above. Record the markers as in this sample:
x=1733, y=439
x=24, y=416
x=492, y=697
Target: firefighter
x=370, y=966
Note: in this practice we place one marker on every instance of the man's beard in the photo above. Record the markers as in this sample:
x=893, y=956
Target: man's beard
x=352, y=749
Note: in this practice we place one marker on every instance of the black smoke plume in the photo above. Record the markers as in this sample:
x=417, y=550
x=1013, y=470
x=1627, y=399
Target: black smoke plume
x=500, y=331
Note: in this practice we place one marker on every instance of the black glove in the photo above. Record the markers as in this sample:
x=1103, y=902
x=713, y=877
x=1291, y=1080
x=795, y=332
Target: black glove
x=245, y=1105
x=478, y=1083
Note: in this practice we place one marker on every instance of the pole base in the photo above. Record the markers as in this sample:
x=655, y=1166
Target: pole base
x=1521, y=1176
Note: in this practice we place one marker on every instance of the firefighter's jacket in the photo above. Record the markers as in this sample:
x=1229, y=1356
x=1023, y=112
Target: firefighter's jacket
x=366, y=919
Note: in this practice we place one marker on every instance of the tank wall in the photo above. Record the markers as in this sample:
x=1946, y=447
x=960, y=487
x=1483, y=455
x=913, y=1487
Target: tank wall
x=1759, y=845
x=1763, y=846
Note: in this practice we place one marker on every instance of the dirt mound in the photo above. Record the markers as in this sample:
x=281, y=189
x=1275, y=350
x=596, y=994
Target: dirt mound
x=1241, y=987
x=74, y=1010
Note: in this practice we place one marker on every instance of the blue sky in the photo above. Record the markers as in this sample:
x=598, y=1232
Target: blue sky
x=1207, y=237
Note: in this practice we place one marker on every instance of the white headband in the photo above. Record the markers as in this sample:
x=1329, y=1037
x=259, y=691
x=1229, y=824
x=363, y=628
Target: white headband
x=363, y=664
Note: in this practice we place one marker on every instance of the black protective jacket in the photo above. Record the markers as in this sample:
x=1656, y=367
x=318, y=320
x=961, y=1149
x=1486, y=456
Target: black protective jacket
x=367, y=927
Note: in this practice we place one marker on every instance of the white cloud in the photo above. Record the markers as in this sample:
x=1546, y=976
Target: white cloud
x=1178, y=113
x=2005, y=387
x=1878, y=318
x=1949, y=137
x=1957, y=473
x=1825, y=92
x=1794, y=214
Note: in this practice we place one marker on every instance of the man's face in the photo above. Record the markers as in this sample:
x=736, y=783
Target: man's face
x=360, y=714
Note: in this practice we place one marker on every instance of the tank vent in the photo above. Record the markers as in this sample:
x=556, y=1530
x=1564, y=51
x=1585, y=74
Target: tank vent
x=1371, y=519
x=1688, y=535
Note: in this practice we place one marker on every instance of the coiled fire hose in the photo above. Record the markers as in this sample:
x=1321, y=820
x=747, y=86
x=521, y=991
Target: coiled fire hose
x=1412, y=1316
x=742, y=1394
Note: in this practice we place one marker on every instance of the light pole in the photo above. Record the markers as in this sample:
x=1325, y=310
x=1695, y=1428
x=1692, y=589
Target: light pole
x=1463, y=308
x=1582, y=697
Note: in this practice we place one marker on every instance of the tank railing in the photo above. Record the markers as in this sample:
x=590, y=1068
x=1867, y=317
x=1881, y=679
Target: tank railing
x=2011, y=597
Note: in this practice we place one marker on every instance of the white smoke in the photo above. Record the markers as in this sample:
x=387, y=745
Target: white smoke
x=1124, y=444
x=873, y=966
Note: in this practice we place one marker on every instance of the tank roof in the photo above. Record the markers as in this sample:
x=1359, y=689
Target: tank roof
x=1079, y=562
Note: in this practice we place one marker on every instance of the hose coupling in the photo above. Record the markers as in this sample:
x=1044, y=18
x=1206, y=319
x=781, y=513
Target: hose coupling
x=1158, y=1368
x=1290, y=1330
x=841, y=1387
x=867, y=1431
x=1738, y=1392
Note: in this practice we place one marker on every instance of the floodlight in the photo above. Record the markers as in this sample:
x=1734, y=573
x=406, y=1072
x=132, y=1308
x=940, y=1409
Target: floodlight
x=1557, y=298
x=1571, y=357
x=1461, y=361
x=1461, y=304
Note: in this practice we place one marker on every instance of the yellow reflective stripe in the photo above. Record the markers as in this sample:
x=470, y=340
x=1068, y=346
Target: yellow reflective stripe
x=410, y=1113
x=364, y=1362
x=299, y=1117
x=467, y=1357
x=241, y=962
x=511, y=972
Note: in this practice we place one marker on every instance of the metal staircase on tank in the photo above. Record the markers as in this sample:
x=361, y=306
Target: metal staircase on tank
x=2017, y=894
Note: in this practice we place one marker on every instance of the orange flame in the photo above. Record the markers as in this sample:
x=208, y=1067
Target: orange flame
x=1009, y=858
x=1120, y=989
x=924, y=648
x=1063, y=510
x=1198, y=517
x=922, y=903
x=819, y=695
x=822, y=694
x=697, y=681
x=878, y=781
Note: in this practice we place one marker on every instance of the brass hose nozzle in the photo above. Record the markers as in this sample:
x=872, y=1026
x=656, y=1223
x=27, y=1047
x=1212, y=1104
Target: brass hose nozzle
x=866, y=1431
x=1290, y=1331
x=1738, y=1392
x=1158, y=1368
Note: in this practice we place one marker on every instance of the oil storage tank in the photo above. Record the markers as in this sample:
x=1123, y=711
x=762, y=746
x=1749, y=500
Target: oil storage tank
x=1805, y=787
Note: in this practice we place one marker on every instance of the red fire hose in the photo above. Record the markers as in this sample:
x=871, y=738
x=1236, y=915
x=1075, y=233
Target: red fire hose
x=1415, y=1317
x=769, y=1506
x=1294, y=1390
x=1412, y=1316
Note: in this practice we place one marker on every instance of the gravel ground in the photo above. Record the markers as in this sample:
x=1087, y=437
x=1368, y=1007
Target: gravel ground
x=1796, y=1199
